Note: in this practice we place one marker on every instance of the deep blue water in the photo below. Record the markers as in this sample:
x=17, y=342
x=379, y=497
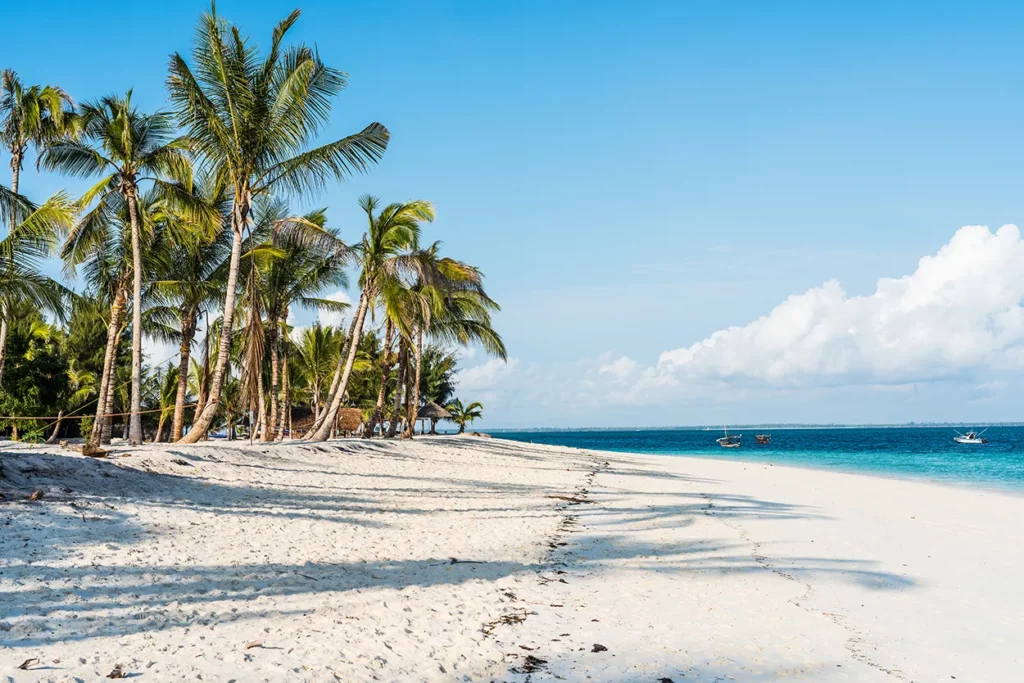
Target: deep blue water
x=919, y=452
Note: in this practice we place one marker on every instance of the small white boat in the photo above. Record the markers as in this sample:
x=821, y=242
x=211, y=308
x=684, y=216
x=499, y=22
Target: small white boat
x=729, y=441
x=970, y=437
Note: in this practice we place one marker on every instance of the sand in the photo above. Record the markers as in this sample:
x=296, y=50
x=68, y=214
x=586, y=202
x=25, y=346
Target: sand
x=466, y=559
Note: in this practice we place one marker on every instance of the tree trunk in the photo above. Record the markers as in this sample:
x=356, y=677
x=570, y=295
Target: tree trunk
x=385, y=372
x=3, y=340
x=284, y=404
x=462, y=428
x=157, y=438
x=261, y=399
x=107, y=377
x=275, y=382
x=415, y=406
x=188, y=330
x=15, y=175
x=403, y=361
x=204, y=378
x=331, y=414
x=56, y=428
x=433, y=425
x=204, y=419
x=288, y=396
x=135, y=432
x=108, y=426
x=335, y=381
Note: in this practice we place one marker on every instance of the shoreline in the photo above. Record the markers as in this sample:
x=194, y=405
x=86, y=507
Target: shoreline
x=991, y=486
x=463, y=558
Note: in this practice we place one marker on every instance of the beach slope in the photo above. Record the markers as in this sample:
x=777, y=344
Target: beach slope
x=463, y=559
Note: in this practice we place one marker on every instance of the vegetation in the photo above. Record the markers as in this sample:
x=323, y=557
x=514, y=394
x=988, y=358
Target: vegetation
x=187, y=235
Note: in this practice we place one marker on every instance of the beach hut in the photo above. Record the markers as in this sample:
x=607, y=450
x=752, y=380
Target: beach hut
x=433, y=412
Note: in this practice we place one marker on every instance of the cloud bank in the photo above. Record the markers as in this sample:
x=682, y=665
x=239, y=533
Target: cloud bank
x=957, y=317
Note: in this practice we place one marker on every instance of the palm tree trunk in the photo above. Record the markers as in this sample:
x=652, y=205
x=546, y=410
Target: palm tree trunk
x=385, y=372
x=108, y=425
x=204, y=378
x=261, y=400
x=335, y=381
x=284, y=404
x=403, y=361
x=158, y=437
x=15, y=175
x=415, y=405
x=106, y=379
x=288, y=396
x=331, y=414
x=56, y=428
x=3, y=340
x=188, y=330
x=204, y=419
x=275, y=383
x=135, y=433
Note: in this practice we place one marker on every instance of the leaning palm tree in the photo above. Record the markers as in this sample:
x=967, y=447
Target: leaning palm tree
x=251, y=120
x=462, y=414
x=125, y=147
x=383, y=256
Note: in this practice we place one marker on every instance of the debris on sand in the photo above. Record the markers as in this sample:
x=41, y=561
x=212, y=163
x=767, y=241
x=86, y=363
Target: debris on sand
x=24, y=666
x=118, y=672
x=530, y=665
x=598, y=647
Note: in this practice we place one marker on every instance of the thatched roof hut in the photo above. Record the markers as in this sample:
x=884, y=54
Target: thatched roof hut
x=349, y=419
x=432, y=411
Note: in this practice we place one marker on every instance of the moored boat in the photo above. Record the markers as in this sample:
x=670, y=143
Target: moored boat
x=729, y=441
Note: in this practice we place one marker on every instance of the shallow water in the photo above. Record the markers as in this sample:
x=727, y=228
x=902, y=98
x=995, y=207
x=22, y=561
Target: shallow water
x=920, y=452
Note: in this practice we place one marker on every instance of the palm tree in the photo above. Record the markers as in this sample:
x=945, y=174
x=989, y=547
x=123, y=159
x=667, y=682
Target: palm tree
x=453, y=309
x=316, y=355
x=463, y=414
x=32, y=116
x=34, y=233
x=197, y=273
x=250, y=119
x=124, y=147
x=384, y=258
x=168, y=389
x=100, y=243
x=82, y=384
x=311, y=259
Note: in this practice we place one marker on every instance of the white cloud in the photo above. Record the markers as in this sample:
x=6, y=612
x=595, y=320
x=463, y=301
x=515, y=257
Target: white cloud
x=332, y=318
x=487, y=375
x=620, y=368
x=959, y=311
x=951, y=330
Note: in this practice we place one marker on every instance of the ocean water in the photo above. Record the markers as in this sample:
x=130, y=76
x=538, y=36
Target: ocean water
x=918, y=452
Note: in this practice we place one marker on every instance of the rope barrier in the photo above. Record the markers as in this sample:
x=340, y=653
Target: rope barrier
x=74, y=416
x=80, y=417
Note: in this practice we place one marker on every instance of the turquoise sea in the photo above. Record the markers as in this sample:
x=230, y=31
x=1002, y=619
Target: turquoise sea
x=919, y=452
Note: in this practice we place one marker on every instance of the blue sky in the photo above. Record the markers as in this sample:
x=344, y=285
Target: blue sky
x=633, y=177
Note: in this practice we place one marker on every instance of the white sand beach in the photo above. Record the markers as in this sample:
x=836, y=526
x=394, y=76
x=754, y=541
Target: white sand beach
x=468, y=559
